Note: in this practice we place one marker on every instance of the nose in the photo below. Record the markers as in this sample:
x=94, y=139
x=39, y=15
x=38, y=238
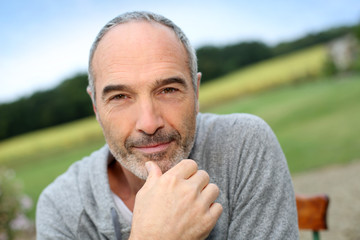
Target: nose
x=149, y=118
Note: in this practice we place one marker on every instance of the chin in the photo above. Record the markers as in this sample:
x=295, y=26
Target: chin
x=137, y=166
x=135, y=162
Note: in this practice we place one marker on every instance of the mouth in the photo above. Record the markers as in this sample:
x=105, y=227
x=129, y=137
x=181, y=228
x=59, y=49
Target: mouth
x=153, y=148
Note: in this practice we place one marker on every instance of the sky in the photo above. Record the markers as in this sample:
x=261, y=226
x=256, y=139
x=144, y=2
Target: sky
x=43, y=42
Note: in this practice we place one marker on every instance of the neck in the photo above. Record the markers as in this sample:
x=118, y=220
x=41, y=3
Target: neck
x=124, y=183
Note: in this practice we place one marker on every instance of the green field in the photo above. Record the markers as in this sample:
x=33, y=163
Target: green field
x=301, y=65
x=317, y=123
x=48, y=142
x=39, y=157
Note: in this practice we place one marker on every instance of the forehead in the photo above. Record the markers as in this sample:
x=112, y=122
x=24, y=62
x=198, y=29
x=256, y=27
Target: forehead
x=138, y=43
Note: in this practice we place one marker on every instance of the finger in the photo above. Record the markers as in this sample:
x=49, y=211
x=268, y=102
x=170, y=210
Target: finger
x=184, y=169
x=210, y=193
x=200, y=179
x=215, y=210
x=153, y=170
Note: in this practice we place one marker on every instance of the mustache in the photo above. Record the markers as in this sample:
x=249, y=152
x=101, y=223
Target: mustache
x=160, y=136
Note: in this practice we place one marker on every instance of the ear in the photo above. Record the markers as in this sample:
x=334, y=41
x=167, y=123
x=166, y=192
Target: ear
x=198, y=84
x=197, y=91
x=93, y=101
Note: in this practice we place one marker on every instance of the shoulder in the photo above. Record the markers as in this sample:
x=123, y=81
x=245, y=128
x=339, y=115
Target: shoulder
x=233, y=126
x=234, y=142
x=63, y=185
x=230, y=120
x=61, y=201
x=54, y=212
x=55, y=197
x=225, y=139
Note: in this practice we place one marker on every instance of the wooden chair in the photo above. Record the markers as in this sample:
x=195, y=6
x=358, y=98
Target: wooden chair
x=312, y=211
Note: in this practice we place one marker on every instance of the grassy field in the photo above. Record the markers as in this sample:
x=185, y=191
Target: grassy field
x=297, y=66
x=317, y=123
x=39, y=157
x=48, y=142
x=37, y=174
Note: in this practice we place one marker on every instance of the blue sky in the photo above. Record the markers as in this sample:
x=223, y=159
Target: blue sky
x=44, y=41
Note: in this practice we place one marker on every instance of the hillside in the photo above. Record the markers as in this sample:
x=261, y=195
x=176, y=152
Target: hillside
x=216, y=61
x=317, y=123
x=287, y=69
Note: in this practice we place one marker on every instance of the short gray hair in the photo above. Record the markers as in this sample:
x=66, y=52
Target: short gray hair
x=150, y=17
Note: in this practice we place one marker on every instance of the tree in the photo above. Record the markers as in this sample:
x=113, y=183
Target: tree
x=217, y=61
x=64, y=103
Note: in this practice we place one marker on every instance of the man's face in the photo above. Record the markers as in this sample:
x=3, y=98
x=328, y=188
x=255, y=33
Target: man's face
x=145, y=101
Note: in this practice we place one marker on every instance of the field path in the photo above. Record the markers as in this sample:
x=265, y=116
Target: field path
x=342, y=184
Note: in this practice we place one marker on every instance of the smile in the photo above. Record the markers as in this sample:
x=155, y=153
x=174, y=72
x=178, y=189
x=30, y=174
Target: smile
x=153, y=148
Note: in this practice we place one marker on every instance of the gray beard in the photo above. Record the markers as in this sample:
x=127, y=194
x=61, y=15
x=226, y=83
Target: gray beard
x=136, y=165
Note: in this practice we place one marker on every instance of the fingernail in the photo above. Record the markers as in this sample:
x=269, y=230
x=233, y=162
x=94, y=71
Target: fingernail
x=148, y=166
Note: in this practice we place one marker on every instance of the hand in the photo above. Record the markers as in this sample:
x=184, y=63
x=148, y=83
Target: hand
x=176, y=205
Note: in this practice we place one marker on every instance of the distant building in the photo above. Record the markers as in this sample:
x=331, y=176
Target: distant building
x=344, y=51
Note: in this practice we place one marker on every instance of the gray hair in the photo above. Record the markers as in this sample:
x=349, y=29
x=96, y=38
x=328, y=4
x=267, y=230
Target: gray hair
x=150, y=17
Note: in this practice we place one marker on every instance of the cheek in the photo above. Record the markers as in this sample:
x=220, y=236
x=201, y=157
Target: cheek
x=182, y=118
x=116, y=125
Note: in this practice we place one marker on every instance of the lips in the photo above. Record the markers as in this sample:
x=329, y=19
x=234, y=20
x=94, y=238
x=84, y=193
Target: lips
x=153, y=148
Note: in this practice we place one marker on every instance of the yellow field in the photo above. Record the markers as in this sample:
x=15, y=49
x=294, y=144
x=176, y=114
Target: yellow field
x=50, y=140
x=277, y=71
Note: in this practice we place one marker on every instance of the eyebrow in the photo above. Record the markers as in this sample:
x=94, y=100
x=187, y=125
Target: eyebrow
x=112, y=88
x=171, y=80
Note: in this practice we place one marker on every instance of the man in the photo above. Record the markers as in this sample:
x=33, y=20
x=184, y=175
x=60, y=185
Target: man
x=152, y=179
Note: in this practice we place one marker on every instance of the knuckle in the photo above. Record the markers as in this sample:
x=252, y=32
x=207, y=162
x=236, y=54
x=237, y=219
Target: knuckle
x=214, y=188
x=190, y=163
x=218, y=206
x=204, y=175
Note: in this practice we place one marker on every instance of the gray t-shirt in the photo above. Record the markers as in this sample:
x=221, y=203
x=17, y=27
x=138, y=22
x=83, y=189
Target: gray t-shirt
x=241, y=155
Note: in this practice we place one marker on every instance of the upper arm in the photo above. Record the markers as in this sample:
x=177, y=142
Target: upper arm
x=263, y=204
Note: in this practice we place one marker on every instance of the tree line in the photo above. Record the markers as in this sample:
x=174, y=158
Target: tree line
x=64, y=103
x=217, y=61
x=69, y=100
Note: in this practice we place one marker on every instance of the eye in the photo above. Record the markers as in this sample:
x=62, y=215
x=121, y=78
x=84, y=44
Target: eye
x=119, y=97
x=169, y=90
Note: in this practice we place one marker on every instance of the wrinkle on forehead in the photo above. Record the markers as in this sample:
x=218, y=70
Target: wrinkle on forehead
x=138, y=42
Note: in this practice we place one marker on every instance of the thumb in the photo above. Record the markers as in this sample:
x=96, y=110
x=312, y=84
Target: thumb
x=153, y=170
